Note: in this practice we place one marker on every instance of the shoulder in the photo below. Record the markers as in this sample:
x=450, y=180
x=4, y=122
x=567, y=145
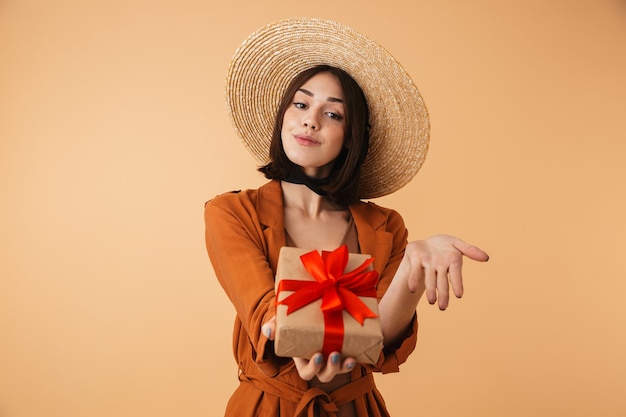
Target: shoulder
x=261, y=205
x=240, y=213
x=248, y=196
x=230, y=198
x=377, y=215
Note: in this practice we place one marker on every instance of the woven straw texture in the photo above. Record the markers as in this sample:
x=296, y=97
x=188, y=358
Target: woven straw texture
x=271, y=57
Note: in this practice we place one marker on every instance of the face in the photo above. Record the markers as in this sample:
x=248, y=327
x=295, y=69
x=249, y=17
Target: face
x=314, y=124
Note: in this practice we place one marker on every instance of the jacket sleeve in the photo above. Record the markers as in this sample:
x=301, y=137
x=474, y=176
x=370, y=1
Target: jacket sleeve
x=236, y=248
x=393, y=356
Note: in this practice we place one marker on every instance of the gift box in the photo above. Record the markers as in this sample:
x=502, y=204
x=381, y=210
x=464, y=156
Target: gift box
x=325, y=302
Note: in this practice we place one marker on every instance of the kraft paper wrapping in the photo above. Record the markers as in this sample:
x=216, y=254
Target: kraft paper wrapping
x=301, y=333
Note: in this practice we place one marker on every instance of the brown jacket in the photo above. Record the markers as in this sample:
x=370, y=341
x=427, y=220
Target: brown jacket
x=244, y=234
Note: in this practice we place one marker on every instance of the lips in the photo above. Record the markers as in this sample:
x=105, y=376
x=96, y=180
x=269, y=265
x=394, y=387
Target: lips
x=306, y=140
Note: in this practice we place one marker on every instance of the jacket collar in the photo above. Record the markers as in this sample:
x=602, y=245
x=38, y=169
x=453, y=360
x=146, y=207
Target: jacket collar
x=369, y=219
x=374, y=239
x=269, y=208
x=269, y=205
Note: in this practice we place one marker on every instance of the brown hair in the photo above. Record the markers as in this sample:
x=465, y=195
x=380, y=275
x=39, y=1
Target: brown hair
x=343, y=184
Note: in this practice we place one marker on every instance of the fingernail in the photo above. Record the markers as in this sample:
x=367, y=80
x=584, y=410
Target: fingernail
x=267, y=331
x=350, y=366
x=318, y=359
x=335, y=358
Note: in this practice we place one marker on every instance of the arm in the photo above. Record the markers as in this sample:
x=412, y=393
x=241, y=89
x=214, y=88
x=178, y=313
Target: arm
x=236, y=250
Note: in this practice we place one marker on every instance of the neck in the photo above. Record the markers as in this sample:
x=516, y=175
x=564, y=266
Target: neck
x=315, y=184
x=300, y=197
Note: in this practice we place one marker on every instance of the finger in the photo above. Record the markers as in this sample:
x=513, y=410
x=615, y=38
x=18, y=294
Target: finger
x=348, y=364
x=307, y=369
x=416, y=276
x=269, y=328
x=443, y=288
x=470, y=251
x=430, y=281
x=456, y=279
x=332, y=368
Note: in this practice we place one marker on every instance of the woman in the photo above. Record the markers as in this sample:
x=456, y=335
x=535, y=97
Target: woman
x=322, y=160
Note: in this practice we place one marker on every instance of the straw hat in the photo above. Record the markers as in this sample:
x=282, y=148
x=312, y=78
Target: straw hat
x=271, y=57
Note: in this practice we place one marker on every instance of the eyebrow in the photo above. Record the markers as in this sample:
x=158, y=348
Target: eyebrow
x=310, y=94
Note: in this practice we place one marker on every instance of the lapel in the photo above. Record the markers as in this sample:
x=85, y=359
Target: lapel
x=374, y=240
x=269, y=208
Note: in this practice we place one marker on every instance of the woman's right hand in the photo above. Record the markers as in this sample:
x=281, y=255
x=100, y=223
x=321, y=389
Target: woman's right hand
x=309, y=368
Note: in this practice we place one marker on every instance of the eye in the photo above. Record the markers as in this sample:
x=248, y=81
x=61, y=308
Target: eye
x=334, y=116
x=299, y=105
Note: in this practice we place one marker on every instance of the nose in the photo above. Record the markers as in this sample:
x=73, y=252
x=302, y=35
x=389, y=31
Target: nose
x=310, y=121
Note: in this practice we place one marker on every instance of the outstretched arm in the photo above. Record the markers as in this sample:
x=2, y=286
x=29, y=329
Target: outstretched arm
x=429, y=266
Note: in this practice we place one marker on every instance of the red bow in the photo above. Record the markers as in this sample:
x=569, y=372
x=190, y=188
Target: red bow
x=338, y=291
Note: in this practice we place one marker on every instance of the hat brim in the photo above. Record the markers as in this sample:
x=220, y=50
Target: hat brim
x=270, y=58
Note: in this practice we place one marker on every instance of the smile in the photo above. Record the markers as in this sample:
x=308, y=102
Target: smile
x=306, y=140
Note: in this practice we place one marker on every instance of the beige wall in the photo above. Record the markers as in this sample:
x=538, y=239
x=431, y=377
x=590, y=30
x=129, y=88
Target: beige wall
x=113, y=132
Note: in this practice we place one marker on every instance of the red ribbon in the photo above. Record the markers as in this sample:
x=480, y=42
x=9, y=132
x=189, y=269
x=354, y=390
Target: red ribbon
x=338, y=290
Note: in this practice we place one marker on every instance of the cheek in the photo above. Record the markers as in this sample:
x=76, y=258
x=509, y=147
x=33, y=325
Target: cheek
x=340, y=137
x=286, y=121
x=288, y=116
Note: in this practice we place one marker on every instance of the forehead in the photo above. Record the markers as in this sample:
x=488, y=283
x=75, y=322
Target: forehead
x=324, y=84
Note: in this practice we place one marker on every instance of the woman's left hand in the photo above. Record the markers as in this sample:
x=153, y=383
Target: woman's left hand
x=435, y=265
